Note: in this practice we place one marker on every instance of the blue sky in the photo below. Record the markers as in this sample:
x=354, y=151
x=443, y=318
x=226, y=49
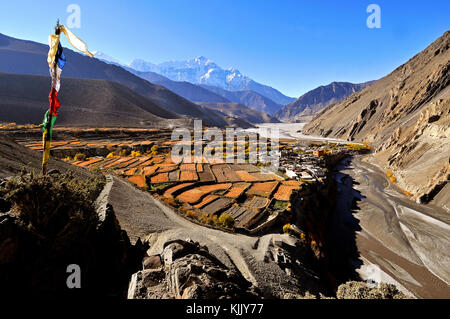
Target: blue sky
x=293, y=46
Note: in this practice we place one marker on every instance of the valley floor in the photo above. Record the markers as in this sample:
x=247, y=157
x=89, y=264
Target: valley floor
x=396, y=239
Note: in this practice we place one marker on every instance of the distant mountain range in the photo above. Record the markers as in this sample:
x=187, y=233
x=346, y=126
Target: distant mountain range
x=317, y=99
x=192, y=79
x=201, y=70
x=194, y=91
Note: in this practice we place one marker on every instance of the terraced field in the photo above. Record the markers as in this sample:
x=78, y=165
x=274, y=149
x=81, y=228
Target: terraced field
x=199, y=189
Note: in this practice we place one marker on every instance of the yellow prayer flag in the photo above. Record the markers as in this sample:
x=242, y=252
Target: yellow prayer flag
x=46, y=151
x=75, y=42
x=53, y=41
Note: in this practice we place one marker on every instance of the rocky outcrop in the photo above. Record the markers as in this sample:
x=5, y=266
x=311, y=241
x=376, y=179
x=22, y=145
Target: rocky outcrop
x=186, y=270
x=361, y=290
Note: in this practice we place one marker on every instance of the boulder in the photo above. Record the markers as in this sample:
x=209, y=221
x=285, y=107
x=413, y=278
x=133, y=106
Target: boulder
x=152, y=262
x=187, y=271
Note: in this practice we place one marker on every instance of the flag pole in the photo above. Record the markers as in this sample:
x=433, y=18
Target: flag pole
x=49, y=115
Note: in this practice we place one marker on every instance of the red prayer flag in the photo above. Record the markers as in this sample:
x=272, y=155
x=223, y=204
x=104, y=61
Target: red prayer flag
x=54, y=102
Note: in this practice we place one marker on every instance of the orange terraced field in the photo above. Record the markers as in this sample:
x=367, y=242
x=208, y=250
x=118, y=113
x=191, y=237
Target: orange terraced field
x=166, y=168
x=284, y=192
x=187, y=167
x=131, y=171
x=92, y=161
x=141, y=162
x=194, y=195
x=119, y=161
x=237, y=190
x=149, y=170
x=263, y=189
x=208, y=199
x=291, y=183
x=138, y=180
x=215, y=187
x=191, y=196
x=188, y=176
x=158, y=159
x=245, y=176
x=170, y=191
x=160, y=178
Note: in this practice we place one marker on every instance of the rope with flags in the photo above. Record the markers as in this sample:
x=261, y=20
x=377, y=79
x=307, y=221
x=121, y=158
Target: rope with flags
x=56, y=62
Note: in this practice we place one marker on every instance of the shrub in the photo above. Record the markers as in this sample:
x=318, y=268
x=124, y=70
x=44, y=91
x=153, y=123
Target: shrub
x=154, y=150
x=280, y=205
x=287, y=229
x=191, y=214
x=159, y=187
x=225, y=220
x=303, y=238
x=171, y=202
x=136, y=153
x=79, y=157
x=209, y=219
x=54, y=205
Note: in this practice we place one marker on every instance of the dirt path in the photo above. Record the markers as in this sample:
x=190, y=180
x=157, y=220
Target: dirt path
x=143, y=216
x=407, y=241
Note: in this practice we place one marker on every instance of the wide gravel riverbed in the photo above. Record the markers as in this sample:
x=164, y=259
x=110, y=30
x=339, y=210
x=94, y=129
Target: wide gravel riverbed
x=395, y=239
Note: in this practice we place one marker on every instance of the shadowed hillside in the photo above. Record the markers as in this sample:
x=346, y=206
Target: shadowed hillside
x=28, y=57
x=94, y=103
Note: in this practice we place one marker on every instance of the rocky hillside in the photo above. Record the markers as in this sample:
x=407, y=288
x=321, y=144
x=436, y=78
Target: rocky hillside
x=405, y=116
x=317, y=99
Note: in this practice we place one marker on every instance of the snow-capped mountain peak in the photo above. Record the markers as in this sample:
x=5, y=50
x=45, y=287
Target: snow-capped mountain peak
x=201, y=70
x=105, y=58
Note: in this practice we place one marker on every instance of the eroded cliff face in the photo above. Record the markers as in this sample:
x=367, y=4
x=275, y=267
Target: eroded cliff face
x=418, y=155
x=405, y=117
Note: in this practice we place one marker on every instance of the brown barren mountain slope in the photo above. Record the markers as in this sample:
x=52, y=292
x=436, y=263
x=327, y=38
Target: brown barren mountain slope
x=15, y=157
x=85, y=102
x=405, y=116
